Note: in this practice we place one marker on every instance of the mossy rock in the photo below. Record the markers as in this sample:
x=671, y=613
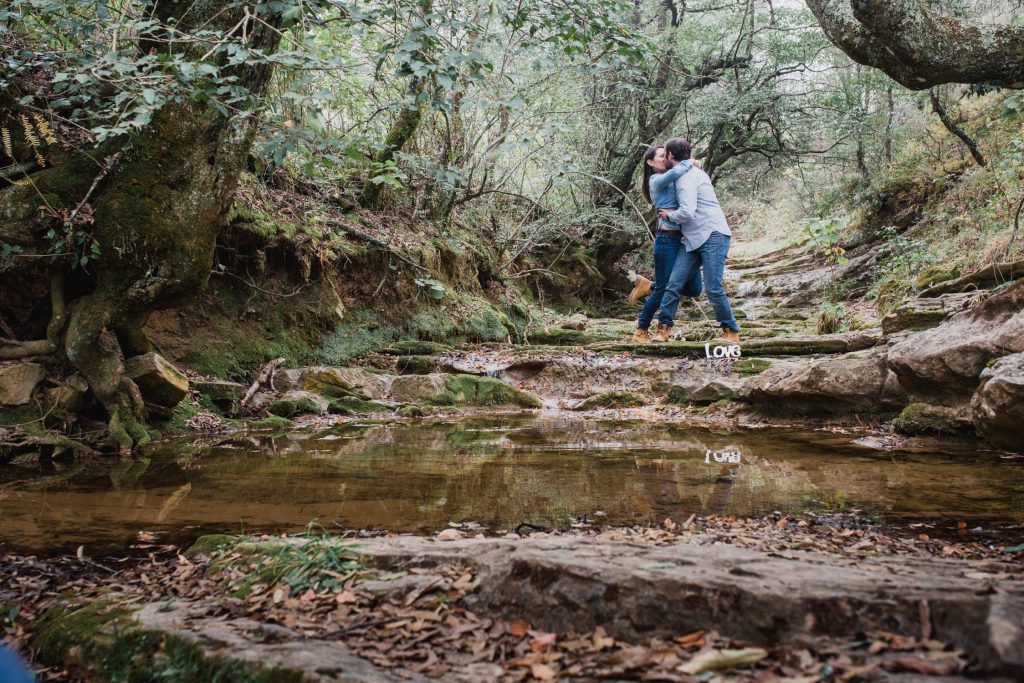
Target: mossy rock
x=933, y=275
x=559, y=336
x=613, y=399
x=290, y=406
x=483, y=391
x=351, y=405
x=209, y=543
x=415, y=365
x=415, y=348
x=102, y=641
x=921, y=418
x=411, y=410
x=487, y=326
x=751, y=366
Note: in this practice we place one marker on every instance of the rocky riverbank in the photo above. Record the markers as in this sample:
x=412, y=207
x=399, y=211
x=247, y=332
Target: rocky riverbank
x=755, y=599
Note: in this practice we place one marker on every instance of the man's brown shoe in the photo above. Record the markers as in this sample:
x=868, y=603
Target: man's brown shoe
x=642, y=288
x=661, y=334
x=730, y=336
x=641, y=336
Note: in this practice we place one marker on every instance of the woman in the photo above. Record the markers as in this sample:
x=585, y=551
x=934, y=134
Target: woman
x=658, y=188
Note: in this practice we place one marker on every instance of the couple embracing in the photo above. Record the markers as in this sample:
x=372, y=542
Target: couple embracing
x=692, y=235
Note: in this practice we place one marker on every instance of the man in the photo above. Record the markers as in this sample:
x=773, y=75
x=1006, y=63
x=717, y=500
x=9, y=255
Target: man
x=706, y=236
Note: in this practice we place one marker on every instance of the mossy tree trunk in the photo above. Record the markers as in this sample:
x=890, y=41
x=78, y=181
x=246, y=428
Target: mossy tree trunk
x=157, y=215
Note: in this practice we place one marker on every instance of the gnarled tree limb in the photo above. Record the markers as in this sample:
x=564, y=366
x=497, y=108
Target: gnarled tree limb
x=918, y=47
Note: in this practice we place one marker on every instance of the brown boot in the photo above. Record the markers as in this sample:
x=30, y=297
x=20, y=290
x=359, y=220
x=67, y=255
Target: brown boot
x=729, y=336
x=661, y=334
x=641, y=336
x=642, y=288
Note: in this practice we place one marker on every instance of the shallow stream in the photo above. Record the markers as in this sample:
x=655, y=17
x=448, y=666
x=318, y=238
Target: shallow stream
x=495, y=472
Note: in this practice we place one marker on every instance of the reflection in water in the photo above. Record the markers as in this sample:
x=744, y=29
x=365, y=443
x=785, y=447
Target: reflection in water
x=496, y=471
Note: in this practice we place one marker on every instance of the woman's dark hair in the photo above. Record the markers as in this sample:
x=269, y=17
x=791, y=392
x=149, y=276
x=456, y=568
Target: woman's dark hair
x=680, y=148
x=645, y=186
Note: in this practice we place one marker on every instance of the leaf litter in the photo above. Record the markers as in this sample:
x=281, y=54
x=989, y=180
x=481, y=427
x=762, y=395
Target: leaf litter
x=417, y=622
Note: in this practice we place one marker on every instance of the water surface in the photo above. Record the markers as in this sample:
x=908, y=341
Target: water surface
x=497, y=471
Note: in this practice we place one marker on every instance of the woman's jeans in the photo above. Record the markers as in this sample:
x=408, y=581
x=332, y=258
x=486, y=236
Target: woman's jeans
x=712, y=256
x=667, y=246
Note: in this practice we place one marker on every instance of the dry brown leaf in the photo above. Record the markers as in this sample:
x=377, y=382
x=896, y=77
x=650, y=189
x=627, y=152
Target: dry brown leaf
x=543, y=672
x=602, y=639
x=519, y=627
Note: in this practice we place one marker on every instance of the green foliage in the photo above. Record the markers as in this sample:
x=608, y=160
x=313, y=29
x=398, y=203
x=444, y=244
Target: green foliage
x=319, y=562
x=824, y=234
x=361, y=332
x=483, y=391
x=488, y=326
x=831, y=318
x=434, y=288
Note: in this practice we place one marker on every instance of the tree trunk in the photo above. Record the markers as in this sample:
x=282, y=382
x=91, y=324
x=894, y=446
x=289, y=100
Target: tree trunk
x=400, y=133
x=157, y=216
x=953, y=128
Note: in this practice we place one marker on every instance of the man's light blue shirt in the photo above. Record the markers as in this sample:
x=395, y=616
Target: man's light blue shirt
x=663, y=190
x=699, y=213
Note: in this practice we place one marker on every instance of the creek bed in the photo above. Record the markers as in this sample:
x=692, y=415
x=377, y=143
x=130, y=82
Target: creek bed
x=494, y=471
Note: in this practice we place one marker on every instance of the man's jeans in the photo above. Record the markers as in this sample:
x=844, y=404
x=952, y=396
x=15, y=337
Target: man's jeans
x=712, y=255
x=667, y=246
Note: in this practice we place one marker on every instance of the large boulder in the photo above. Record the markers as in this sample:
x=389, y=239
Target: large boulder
x=18, y=383
x=848, y=384
x=333, y=382
x=299, y=403
x=161, y=384
x=997, y=408
x=943, y=365
x=451, y=390
x=925, y=313
x=703, y=388
x=220, y=391
x=418, y=388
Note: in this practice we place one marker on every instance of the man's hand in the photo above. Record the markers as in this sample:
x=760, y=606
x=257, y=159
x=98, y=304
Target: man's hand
x=696, y=162
x=663, y=213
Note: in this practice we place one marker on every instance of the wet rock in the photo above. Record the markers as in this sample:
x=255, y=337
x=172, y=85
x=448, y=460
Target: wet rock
x=333, y=382
x=613, y=399
x=221, y=392
x=997, y=408
x=162, y=385
x=826, y=386
x=921, y=418
x=18, y=383
x=299, y=403
x=943, y=365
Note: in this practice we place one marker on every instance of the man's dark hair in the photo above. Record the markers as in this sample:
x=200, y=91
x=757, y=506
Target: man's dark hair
x=680, y=148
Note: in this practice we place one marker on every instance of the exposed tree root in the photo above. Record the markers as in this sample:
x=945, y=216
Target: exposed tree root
x=11, y=348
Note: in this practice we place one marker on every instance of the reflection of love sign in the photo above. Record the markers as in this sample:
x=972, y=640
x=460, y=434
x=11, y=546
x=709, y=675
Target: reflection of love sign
x=731, y=351
x=728, y=456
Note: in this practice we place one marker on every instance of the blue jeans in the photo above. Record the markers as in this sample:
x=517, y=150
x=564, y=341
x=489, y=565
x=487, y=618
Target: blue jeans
x=712, y=256
x=667, y=246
